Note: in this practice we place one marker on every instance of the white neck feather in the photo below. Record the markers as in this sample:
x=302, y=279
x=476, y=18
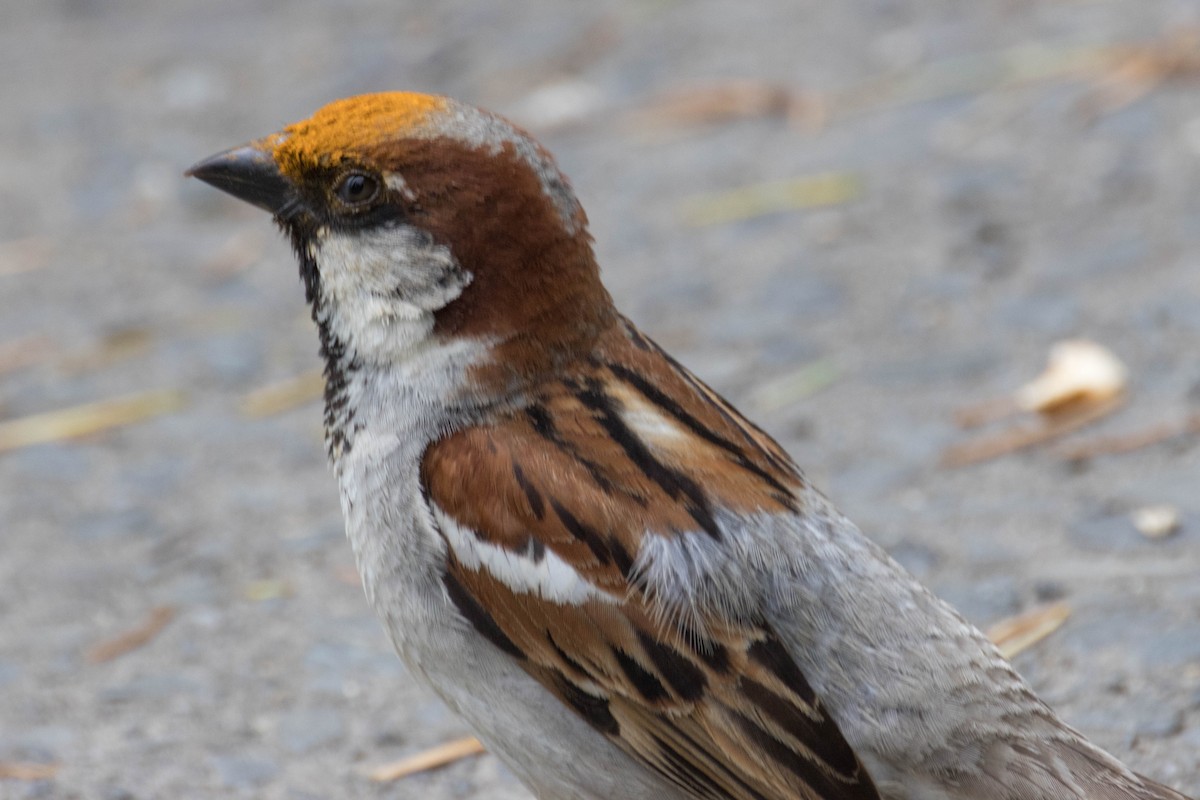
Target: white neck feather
x=386, y=370
x=380, y=288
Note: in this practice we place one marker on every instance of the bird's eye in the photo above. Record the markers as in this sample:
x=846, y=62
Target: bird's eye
x=356, y=189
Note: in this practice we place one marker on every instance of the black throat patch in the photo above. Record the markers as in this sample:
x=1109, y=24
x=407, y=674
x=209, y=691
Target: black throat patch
x=340, y=362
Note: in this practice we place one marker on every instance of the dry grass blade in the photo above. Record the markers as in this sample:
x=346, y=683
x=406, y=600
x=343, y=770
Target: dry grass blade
x=1017, y=634
x=131, y=639
x=429, y=759
x=747, y=202
x=27, y=771
x=284, y=395
x=1021, y=437
x=72, y=423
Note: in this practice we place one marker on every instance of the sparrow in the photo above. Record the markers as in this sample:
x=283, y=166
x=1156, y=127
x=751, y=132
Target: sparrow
x=625, y=587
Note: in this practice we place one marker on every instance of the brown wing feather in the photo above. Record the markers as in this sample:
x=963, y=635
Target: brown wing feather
x=723, y=726
x=625, y=447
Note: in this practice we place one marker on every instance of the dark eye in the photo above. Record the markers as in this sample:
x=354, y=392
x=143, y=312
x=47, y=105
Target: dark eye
x=356, y=188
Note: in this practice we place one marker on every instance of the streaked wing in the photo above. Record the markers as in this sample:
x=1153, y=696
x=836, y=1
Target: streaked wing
x=544, y=568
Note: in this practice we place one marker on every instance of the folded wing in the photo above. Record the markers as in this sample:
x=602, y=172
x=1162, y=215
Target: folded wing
x=547, y=569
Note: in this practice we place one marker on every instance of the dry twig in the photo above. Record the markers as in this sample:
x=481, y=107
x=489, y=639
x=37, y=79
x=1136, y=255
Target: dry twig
x=1021, y=437
x=1082, y=382
x=131, y=639
x=429, y=759
x=1130, y=72
x=1128, y=442
x=718, y=103
x=27, y=771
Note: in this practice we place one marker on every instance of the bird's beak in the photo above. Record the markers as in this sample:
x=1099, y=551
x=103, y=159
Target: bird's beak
x=248, y=173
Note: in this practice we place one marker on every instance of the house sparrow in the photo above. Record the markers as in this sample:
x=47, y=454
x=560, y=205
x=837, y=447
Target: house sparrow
x=624, y=586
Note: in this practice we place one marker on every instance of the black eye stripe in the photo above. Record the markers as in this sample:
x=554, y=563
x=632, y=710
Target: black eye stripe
x=365, y=217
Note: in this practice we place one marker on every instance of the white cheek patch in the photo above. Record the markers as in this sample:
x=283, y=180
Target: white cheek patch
x=400, y=262
x=381, y=287
x=545, y=575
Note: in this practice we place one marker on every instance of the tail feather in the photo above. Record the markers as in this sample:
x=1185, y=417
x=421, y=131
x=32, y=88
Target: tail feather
x=1075, y=769
x=1064, y=768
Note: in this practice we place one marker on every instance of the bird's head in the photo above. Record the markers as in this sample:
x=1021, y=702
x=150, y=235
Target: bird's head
x=414, y=216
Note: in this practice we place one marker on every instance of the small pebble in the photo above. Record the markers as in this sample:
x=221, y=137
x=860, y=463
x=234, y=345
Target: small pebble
x=1156, y=522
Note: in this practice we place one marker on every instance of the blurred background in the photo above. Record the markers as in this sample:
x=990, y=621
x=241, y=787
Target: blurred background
x=867, y=222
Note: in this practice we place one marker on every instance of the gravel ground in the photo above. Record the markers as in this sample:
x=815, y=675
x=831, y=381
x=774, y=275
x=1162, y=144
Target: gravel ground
x=1005, y=190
